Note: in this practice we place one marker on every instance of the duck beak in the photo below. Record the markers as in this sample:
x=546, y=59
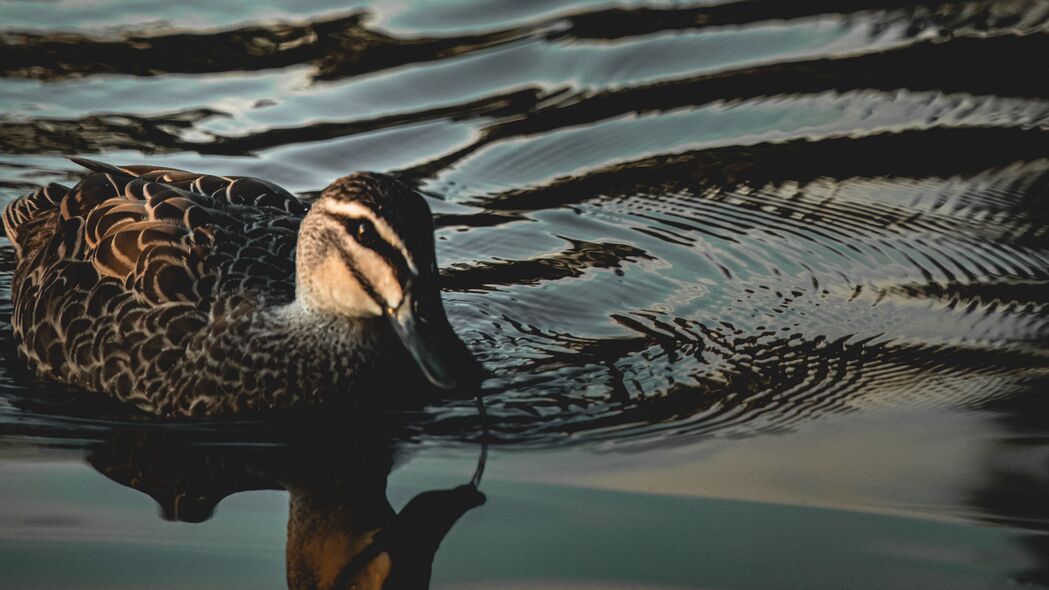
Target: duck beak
x=424, y=330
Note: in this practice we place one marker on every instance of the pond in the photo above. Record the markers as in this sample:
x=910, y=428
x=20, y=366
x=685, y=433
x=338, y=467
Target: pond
x=763, y=289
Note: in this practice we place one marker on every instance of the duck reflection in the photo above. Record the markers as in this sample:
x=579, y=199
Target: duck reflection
x=342, y=530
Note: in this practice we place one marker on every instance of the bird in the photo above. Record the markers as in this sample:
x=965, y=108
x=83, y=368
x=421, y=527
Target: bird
x=196, y=295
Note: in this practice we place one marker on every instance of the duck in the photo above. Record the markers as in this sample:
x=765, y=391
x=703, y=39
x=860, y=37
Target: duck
x=186, y=294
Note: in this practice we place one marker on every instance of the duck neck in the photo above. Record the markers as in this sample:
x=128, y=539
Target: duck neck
x=338, y=335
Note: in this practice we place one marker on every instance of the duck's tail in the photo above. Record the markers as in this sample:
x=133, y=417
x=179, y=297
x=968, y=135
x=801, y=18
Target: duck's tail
x=19, y=213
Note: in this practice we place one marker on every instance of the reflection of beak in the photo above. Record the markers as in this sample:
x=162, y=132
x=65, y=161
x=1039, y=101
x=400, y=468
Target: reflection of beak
x=424, y=330
x=412, y=539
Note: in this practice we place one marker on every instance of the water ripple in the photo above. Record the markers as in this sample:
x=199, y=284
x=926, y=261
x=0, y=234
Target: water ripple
x=654, y=223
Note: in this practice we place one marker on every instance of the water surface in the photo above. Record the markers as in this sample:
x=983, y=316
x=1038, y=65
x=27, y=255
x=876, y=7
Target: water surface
x=763, y=287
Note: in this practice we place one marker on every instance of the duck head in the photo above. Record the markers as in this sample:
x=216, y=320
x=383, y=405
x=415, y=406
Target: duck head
x=366, y=251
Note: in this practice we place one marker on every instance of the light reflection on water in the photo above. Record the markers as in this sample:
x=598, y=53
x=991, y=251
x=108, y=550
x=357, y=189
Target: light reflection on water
x=792, y=260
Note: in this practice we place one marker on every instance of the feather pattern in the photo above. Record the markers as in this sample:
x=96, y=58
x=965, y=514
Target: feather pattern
x=174, y=291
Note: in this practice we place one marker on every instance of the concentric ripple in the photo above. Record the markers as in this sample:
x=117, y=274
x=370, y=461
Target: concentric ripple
x=654, y=223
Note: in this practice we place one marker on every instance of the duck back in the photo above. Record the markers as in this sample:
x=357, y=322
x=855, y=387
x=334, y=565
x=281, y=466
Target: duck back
x=152, y=285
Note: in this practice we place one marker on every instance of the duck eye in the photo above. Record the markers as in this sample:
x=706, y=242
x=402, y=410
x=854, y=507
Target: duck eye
x=363, y=231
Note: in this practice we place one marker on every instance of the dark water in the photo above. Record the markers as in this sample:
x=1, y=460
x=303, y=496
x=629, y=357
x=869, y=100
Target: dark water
x=764, y=287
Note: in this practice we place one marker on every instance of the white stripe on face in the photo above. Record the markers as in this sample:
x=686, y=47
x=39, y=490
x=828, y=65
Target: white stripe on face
x=351, y=209
x=371, y=266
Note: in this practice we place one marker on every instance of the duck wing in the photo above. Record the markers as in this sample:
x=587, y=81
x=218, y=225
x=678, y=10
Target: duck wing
x=115, y=274
x=166, y=235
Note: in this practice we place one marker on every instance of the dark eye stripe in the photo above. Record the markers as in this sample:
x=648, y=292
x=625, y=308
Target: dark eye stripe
x=364, y=232
x=363, y=280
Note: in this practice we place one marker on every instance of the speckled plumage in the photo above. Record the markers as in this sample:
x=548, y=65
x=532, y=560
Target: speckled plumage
x=176, y=291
